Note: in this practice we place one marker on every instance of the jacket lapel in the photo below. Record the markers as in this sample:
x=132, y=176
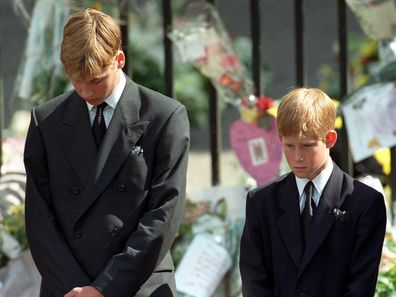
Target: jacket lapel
x=289, y=223
x=322, y=221
x=75, y=136
x=123, y=132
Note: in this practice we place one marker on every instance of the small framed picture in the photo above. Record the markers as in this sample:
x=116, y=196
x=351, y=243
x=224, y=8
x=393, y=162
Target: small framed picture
x=258, y=151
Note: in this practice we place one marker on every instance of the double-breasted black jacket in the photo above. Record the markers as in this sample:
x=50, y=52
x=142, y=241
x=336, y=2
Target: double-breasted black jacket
x=106, y=218
x=343, y=251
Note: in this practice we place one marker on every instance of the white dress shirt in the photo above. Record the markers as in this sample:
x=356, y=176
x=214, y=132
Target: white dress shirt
x=111, y=101
x=319, y=182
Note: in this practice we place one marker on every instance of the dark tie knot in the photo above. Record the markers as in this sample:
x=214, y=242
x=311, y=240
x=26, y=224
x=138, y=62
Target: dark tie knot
x=308, y=210
x=99, y=125
x=100, y=108
x=308, y=190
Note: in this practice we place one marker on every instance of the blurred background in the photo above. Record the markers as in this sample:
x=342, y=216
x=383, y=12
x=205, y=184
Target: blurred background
x=229, y=62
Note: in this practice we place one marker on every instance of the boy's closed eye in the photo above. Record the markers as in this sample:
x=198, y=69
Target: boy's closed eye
x=97, y=81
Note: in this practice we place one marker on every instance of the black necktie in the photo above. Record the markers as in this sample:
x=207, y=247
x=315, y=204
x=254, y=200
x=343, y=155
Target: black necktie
x=307, y=212
x=99, y=126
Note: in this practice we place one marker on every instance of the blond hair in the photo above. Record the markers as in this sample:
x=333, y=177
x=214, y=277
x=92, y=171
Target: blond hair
x=91, y=40
x=306, y=111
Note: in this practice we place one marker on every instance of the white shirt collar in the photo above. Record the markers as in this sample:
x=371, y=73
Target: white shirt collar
x=319, y=182
x=115, y=96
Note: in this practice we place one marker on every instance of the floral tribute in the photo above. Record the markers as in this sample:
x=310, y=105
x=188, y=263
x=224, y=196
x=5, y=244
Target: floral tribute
x=202, y=40
x=386, y=283
x=205, y=217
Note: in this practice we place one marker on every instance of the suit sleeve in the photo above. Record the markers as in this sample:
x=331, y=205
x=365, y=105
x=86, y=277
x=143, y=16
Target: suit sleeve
x=49, y=249
x=157, y=228
x=255, y=273
x=367, y=249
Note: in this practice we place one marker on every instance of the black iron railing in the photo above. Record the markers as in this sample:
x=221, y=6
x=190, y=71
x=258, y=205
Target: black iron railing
x=1, y=105
x=345, y=160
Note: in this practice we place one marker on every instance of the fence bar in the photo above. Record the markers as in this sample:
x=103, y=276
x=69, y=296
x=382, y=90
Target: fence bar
x=124, y=34
x=256, y=44
x=1, y=106
x=299, y=41
x=342, y=41
x=168, y=68
x=392, y=183
x=345, y=160
x=214, y=129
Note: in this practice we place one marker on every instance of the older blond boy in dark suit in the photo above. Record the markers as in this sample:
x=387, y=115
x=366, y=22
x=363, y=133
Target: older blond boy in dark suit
x=106, y=174
x=315, y=231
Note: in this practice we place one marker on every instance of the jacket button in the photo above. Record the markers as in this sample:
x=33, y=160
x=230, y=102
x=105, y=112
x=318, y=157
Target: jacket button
x=76, y=190
x=77, y=234
x=114, y=231
x=121, y=187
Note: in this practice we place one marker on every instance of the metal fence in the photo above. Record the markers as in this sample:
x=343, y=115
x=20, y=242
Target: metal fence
x=255, y=8
x=345, y=160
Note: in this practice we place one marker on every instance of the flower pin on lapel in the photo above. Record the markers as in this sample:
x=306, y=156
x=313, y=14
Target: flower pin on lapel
x=340, y=215
x=136, y=150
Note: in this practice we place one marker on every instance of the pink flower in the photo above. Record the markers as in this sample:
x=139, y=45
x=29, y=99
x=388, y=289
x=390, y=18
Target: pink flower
x=230, y=61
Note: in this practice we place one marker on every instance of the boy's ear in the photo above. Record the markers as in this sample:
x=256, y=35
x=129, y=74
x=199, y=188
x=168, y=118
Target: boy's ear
x=120, y=59
x=331, y=138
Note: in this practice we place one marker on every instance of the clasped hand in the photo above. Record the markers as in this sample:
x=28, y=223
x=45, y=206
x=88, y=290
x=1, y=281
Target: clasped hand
x=87, y=291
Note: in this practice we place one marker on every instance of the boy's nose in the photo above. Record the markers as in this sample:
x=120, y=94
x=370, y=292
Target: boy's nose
x=85, y=92
x=299, y=157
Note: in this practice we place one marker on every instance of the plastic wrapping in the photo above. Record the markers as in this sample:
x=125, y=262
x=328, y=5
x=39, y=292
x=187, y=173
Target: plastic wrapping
x=376, y=17
x=202, y=40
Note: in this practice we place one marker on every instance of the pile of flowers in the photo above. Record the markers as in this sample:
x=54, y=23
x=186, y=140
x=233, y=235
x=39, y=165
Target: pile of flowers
x=12, y=194
x=12, y=234
x=203, y=217
x=256, y=110
x=386, y=284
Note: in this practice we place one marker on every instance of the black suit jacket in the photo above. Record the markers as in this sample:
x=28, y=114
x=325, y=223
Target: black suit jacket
x=106, y=218
x=343, y=252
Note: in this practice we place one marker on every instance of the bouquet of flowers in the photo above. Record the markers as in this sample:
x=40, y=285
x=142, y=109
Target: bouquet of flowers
x=202, y=40
x=12, y=234
x=386, y=284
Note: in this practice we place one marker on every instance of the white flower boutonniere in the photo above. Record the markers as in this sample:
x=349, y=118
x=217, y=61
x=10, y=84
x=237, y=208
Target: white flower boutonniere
x=136, y=150
x=340, y=215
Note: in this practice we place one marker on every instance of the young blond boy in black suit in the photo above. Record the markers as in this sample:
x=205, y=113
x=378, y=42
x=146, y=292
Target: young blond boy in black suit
x=315, y=231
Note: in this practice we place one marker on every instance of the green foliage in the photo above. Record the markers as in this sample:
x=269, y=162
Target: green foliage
x=386, y=283
x=192, y=211
x=146, y=58
x=363, y=59
x=47, y=85
x=14, y=224
x=191, y=90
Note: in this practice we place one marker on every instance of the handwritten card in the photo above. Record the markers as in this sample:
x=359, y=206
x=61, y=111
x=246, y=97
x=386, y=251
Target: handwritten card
x=369, y=116
x=202, y=267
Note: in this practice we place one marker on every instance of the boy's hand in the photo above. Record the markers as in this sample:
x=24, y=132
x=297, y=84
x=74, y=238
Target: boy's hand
x=87, y=291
